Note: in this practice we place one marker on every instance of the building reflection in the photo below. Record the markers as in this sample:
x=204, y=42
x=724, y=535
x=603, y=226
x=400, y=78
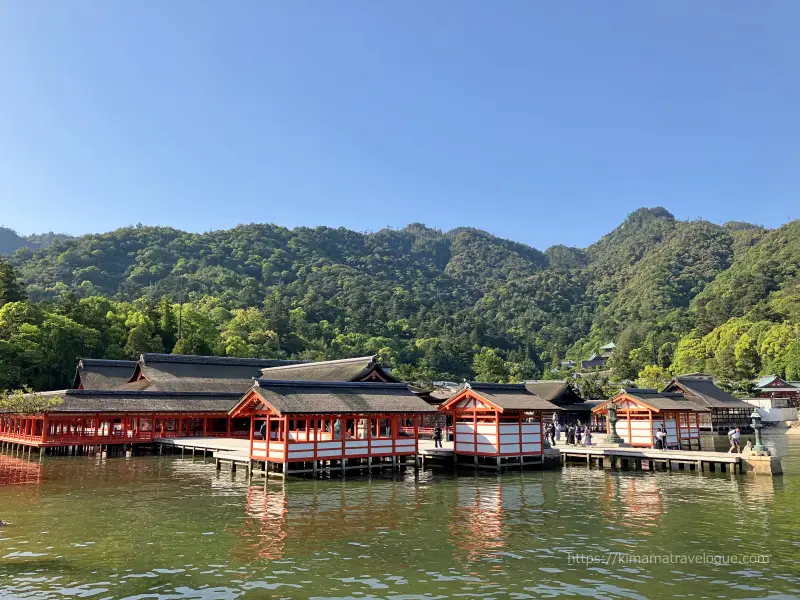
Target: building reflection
x=482, y=511
x=632, y=501
x=19, y=471
x=279, y=516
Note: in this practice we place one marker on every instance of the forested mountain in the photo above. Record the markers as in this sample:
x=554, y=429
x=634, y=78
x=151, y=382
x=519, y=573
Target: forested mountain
x=436, y=305
x=10, y=240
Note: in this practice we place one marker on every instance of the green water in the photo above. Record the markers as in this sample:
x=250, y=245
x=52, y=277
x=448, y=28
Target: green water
x=167, y=528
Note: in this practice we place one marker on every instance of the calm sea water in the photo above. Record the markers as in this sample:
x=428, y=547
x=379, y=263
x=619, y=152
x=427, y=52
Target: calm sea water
x=171, y=528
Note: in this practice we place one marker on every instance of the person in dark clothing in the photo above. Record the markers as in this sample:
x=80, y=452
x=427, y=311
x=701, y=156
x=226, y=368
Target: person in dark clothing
x=437, y=437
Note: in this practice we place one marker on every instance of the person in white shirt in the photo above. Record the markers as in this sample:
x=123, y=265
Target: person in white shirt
x=661, y=439
x=735, y=436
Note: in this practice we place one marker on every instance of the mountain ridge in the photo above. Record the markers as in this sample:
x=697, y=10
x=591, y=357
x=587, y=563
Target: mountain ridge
x=451, y=303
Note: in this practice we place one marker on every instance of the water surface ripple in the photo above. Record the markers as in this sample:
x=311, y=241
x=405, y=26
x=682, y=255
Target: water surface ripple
x=168, y=528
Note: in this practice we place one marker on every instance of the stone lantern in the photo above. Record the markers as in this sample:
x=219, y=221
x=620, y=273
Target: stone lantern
x=612, y=437
x=759, y=448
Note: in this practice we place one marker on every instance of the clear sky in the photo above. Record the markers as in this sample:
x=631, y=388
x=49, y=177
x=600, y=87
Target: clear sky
x=544, y=122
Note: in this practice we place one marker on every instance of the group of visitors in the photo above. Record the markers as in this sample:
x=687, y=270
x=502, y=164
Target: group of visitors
x=576, y=433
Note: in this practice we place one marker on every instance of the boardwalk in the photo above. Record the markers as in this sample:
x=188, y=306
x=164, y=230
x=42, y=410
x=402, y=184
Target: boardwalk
x=235, y=452
x=635, y=457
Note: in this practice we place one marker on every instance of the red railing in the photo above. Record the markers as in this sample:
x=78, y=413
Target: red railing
x=424, y=430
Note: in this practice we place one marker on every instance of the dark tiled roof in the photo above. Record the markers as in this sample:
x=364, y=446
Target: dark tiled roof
x=100, y=374
x=435, y=396
x=586, y=405
x=556, y=391
x=701, y=390
x=348, y=369
x=183, y=373
x=258, y=363
x=334, y=397
x=661, y=400
x=115, y=401
x=511, y=396
x=156, y=382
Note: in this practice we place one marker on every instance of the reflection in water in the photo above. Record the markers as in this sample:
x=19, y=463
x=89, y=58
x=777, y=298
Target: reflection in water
x=166, y=528
x=265, y=524
x=476, y=526
x=19, y=471
x=632, y=500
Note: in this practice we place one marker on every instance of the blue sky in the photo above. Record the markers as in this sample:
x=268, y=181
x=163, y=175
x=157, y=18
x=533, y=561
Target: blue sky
x=543, y=122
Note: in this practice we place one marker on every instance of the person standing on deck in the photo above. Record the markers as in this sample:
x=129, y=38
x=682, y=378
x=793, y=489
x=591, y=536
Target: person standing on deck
x=263, y=430
x=661, y=439
x=735, y=436
x=578, y=434
x=558, y=430
x=437, y=436
x=587, y=436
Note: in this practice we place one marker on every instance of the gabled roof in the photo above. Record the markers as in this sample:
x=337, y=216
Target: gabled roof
x=776, y=383
x=435, y=396
x=609, y=346
x=101, y=374
x=505, y=396
x=700, y=389
x=660, y=400
x=119, y=401
x=556, y=391
x=183, y=373
x=362, y=368
x=331, y=397
x=653, y=399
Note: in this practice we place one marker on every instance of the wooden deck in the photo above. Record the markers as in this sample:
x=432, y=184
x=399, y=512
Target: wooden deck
x=667, y=459
x=236, y=452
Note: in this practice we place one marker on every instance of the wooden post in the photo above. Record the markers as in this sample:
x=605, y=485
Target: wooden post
x=697, y=422
x=497, y=430
x=416, y=436
x=285, y=424
x=252, y=430
x=475, y=428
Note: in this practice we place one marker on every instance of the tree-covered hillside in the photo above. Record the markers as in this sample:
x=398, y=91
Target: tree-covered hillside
x=436, y=305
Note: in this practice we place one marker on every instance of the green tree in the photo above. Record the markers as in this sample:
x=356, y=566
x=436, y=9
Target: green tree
x=653, y=376
x=10, y=289
x=142, y=336
x=490, y=367
x=25, y=402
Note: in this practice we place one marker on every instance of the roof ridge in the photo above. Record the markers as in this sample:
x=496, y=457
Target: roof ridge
x=371, y=358
x=157, y=357
x=374, y=385
x=496, y=386
x=108, y=362
x=144, y=393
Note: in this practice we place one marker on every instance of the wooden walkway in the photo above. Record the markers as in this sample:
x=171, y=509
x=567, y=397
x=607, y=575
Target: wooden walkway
x=235, y=452
x=637, y=457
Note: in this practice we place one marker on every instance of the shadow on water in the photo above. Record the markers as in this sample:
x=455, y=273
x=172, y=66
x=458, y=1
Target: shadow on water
x=160, y=527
